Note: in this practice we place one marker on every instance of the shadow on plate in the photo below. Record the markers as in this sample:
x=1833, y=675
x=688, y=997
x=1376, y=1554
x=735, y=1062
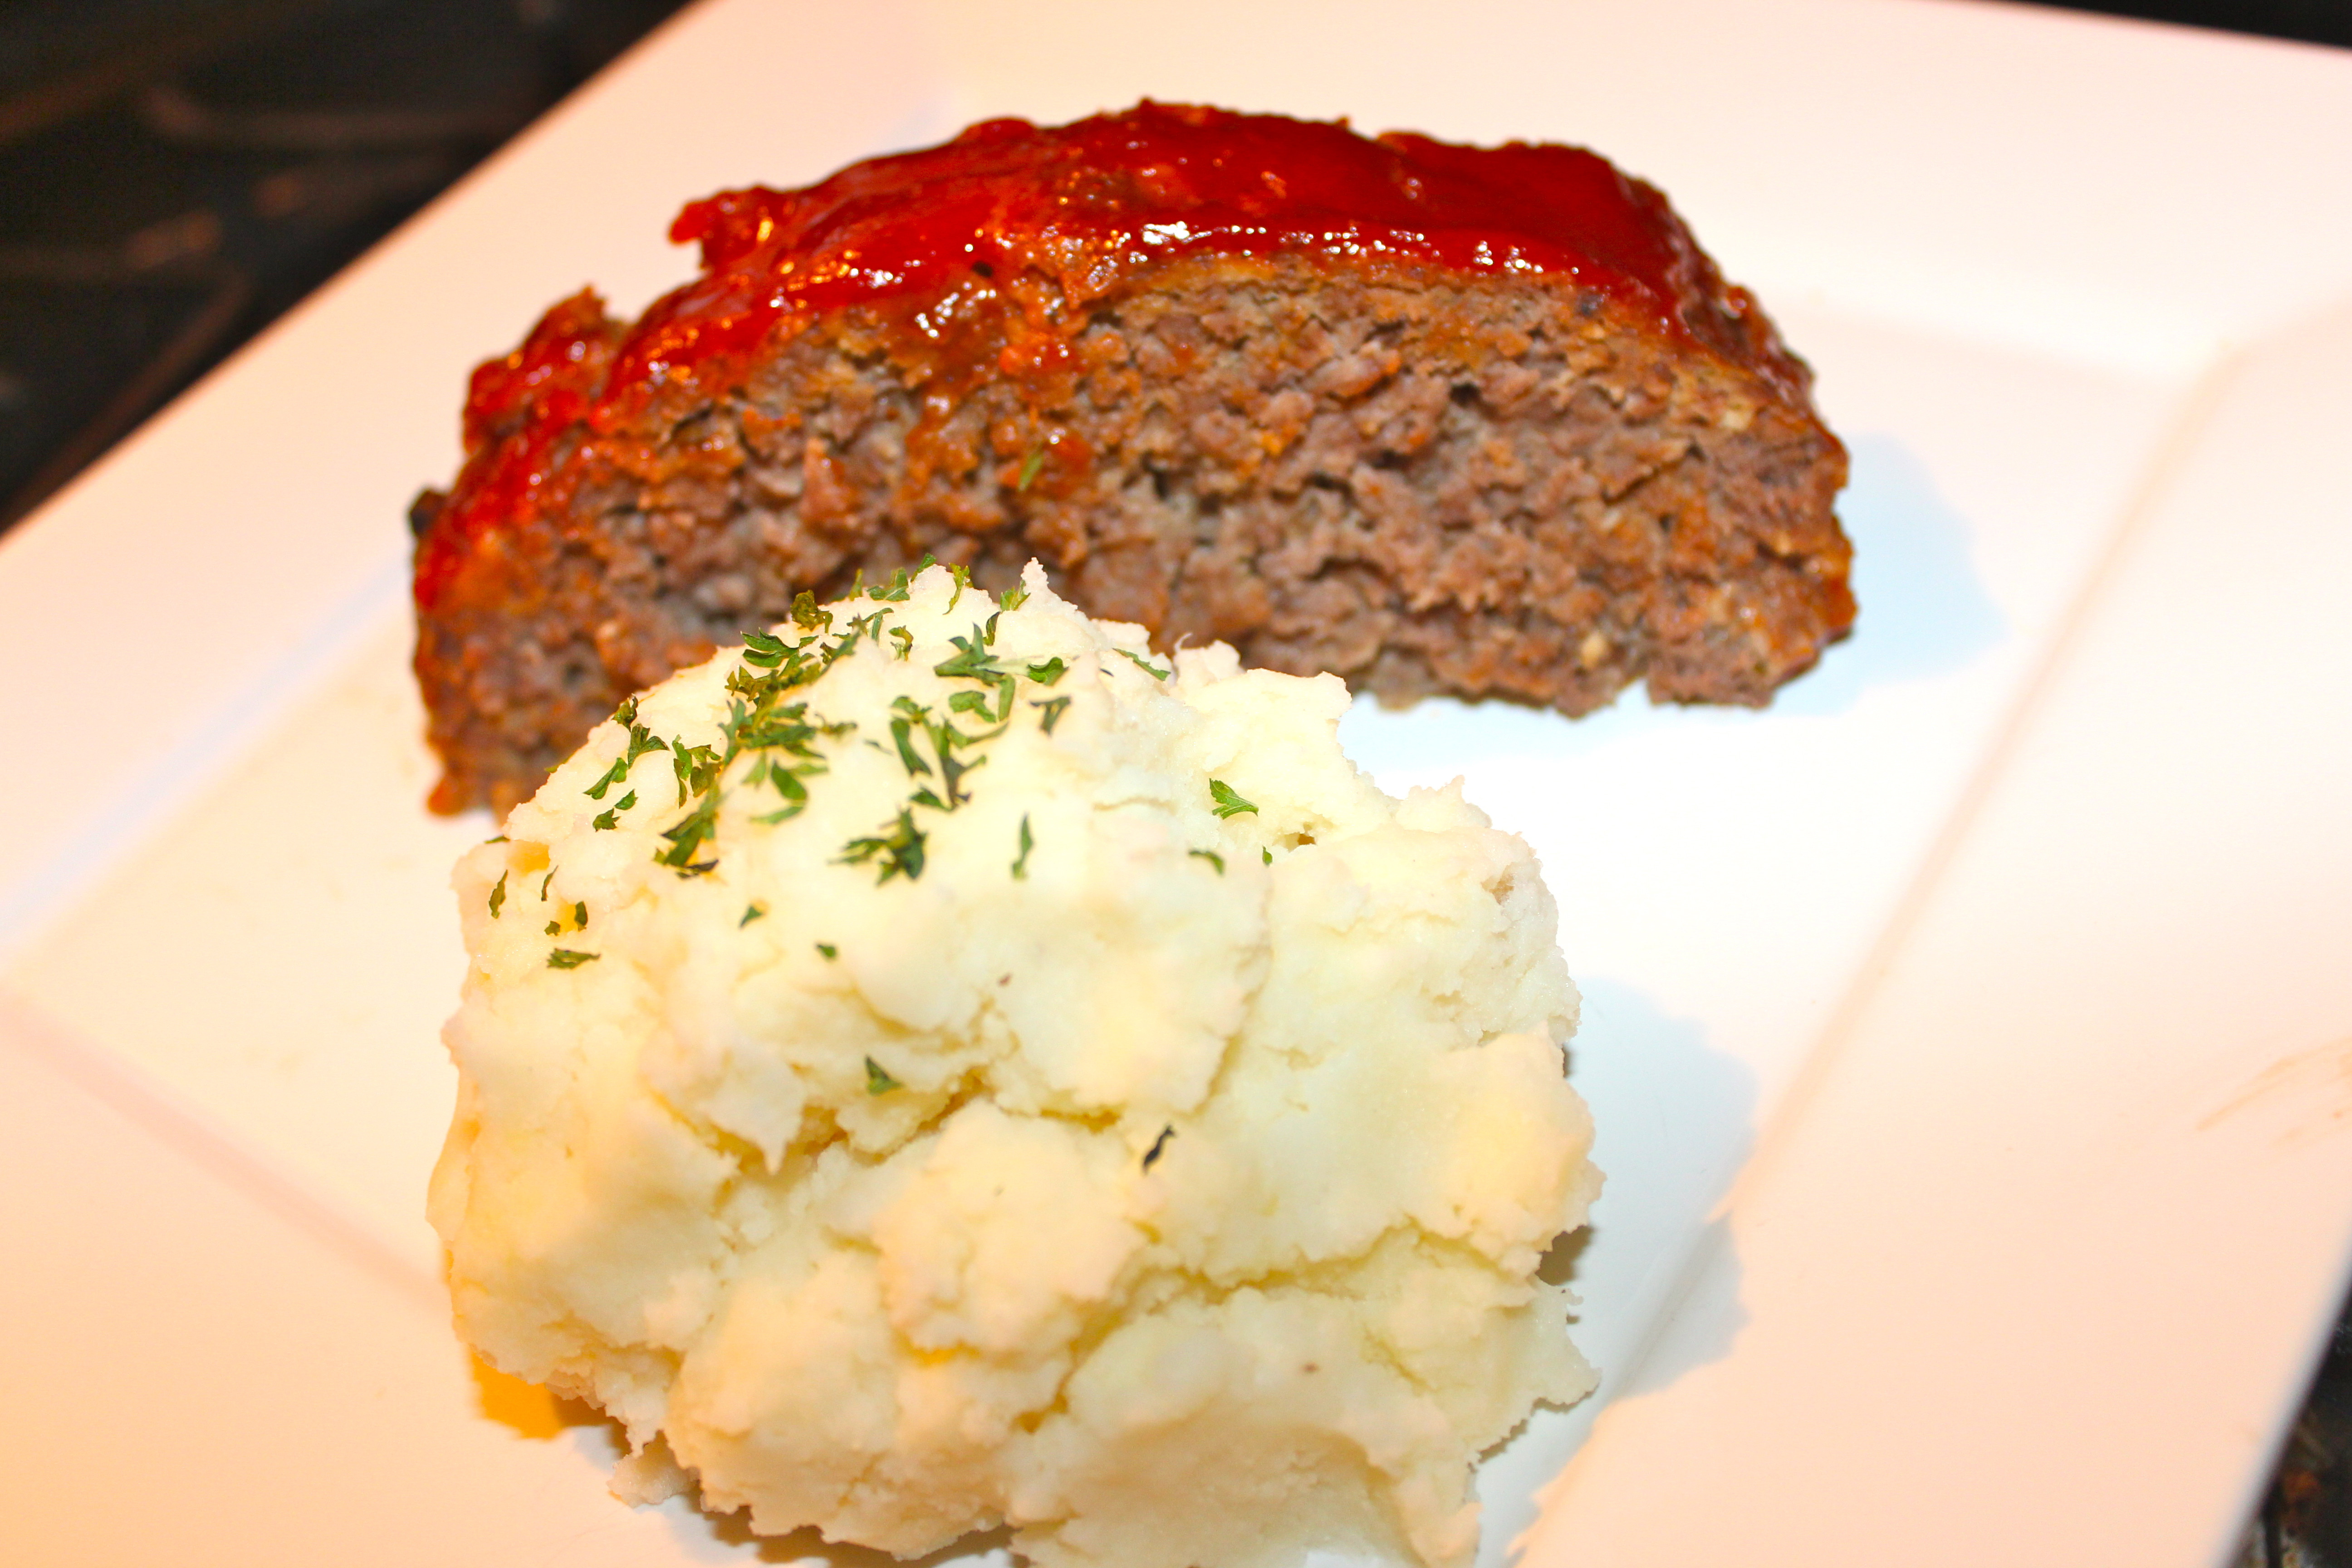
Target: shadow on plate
x=1675, y=1118
x=1684, y=1120
x=1924, y=610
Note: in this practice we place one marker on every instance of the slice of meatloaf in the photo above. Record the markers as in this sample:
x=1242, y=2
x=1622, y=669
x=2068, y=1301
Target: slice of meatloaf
x=1439, y=419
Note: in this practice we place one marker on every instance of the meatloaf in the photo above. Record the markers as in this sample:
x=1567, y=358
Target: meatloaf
x=1482, y=421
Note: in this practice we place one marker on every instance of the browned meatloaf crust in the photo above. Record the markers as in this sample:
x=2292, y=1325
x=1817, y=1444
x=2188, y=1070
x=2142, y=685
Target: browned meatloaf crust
x=1425, y=478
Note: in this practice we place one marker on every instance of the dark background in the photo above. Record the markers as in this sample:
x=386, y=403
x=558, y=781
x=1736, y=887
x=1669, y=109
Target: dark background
x=176, y=174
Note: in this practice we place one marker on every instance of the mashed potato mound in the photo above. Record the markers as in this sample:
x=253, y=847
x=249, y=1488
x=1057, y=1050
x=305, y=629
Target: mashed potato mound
x=941, y=1067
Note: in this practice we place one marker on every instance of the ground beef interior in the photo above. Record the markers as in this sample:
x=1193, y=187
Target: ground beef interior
x=1426, y=481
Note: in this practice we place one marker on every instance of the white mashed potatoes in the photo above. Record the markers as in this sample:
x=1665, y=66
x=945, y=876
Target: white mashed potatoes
x=942, y=1068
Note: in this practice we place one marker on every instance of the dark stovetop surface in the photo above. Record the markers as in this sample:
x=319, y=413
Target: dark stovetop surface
x=176, y=174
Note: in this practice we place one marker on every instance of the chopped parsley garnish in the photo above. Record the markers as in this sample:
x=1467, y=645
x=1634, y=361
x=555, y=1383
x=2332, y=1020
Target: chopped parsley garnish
x=1266, y=855
x=962, y=581
x=781, y=735
x=1212, y=857
x=897, y=592
x=696, y=828
x=899, y=851
x=1050, y=671
x=641, y=740
x=1029, y=467
x=1228, y=803
x=555, y=928
x=696, y=767
x=976, y=704
x=788, y=784
x=1021, y=862
x=751, y=912
x=905, y=639
x=971, y=660
x=1013, y=598
x=902, y=732
x=604, y=821
x=830, y=951
x=1159, y=1144
x=580, y=917
x=1145, y=665
x=877, y=1080
x=1053, y=708
x=565, y=958
x=499, y=896
x=945, y=741
x=543, y=881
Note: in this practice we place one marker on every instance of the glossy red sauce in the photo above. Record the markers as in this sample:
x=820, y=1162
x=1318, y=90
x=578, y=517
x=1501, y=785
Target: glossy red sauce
x=1087, y=207
x=1094, y=203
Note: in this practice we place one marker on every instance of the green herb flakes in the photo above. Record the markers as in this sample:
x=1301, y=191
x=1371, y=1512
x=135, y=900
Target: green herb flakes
x=641, y=740
x=499, y=896
x=696, y=766
x=1212, y=857
x=1029, y=467
x=1159, y=1146
x=902, y=733
x=1145, y=665
x=565, y=958
x=1050, y=671
x=895, y=593
x=1266, y=855
x=1013, y=598
x=971, y=661
x=1021, y=862
x=1053, y=708
x=1228, y=803
x=693, y=830
x=830, y=951
x=605, y=821
x=751, y=912
x=899, y=851
x=877, y=1080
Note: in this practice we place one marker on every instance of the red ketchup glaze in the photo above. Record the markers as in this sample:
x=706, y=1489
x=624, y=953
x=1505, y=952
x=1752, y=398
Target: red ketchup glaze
x=517, y=410
x=1089, y=207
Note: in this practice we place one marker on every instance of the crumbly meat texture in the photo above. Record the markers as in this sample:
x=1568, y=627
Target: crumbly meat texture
x=1425, y=481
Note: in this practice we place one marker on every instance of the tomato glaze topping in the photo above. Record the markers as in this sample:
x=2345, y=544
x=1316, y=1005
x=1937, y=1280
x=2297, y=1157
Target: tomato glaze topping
x=1085, y=207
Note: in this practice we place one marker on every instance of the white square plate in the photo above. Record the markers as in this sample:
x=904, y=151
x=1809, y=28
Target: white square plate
x=1970, y=1035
